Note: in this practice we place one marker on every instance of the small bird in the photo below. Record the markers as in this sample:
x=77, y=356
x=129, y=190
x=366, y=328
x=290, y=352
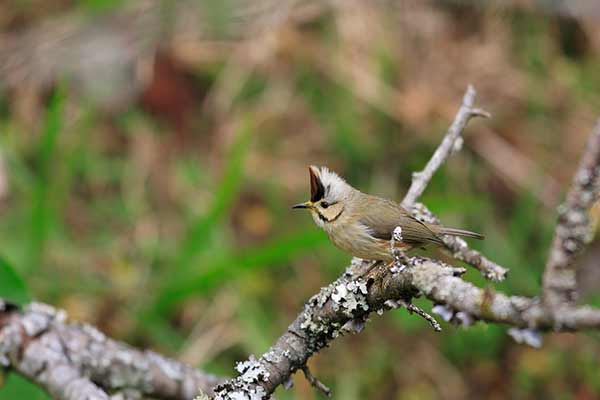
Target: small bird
x=362, y=224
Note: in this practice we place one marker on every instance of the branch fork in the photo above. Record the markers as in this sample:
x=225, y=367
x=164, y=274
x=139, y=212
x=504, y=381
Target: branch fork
x=73, y=361
x=327, y=312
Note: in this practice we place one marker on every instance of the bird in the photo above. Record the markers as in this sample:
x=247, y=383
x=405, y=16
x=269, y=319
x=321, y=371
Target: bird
x=365, y=225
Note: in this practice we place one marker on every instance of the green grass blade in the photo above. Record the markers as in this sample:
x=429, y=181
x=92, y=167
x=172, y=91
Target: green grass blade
x=276, y=252
x=41, y=211
x=197, y=238
x=17, y=387
x=12, y=287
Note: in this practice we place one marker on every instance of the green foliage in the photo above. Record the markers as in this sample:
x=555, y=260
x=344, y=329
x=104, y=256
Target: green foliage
x=340, y=117
x=532, y=34
x=17, y=387
x=479, y=341
x=198, y=236
x=42, y=211
x=231, y=266
x=123, y=219
x=12, y=287
x=100, y=6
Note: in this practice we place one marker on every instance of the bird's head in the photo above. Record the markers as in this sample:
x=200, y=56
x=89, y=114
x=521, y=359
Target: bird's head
x=328, y=195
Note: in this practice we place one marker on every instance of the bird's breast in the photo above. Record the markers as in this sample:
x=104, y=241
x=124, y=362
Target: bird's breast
x=355, y=239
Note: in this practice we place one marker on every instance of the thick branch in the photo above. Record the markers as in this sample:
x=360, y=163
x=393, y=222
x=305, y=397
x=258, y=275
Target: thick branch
x=330, y=312
x=488, y=305
x=76, y=361
x=345, y=305
x=573, y=229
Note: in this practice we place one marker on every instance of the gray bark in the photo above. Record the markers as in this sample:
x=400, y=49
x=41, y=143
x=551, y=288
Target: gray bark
x=76, y=361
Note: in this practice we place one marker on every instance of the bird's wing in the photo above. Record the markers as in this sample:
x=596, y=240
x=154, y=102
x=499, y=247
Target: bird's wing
x=384, y=216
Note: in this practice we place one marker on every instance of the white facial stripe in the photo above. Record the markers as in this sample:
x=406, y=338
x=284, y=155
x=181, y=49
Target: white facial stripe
x=335, y=186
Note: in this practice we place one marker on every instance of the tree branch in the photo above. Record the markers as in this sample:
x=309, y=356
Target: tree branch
x=459, y=249
x=317, y=384
x=452, y=142
x=345, y=305
x=572, y=231
x=76, y=361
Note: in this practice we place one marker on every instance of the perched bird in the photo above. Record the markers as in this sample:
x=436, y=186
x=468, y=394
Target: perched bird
x=362, y=224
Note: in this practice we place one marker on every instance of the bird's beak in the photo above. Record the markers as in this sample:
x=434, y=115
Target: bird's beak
x=307, y=204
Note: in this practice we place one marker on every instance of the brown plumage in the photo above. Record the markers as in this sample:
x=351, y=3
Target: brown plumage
x=362, y=224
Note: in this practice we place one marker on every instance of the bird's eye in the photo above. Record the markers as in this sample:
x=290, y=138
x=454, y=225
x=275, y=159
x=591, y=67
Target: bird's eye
x=324, y=204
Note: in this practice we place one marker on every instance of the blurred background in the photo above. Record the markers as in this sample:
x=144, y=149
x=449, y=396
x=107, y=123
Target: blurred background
x=150, y=152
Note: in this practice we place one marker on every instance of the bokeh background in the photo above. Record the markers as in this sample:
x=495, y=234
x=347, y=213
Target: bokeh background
x=150, y=152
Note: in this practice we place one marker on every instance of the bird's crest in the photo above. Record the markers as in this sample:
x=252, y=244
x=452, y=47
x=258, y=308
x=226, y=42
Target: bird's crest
x=325, y=183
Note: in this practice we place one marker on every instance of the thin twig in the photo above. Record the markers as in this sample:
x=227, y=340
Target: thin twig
x=317, y=384
x=460, y=250
x=573, y=229
x=452, y=140
x=457, y=246
x=419, y=311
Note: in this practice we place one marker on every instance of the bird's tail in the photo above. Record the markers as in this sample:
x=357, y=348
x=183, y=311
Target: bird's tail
x=460, y=232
